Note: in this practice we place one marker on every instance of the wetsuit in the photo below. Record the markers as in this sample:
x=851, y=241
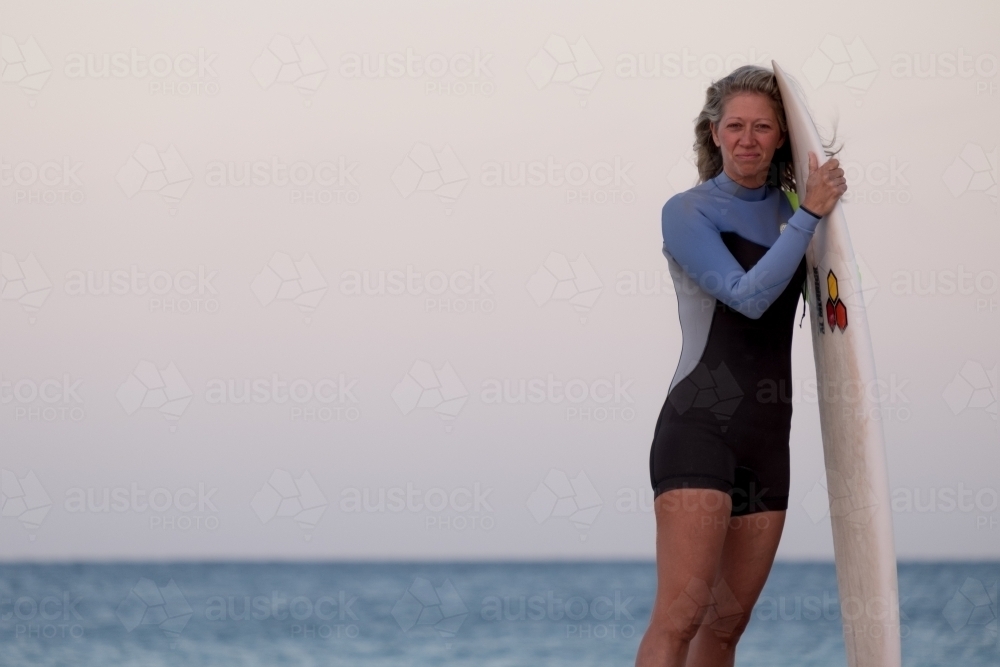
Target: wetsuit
x=738, y=275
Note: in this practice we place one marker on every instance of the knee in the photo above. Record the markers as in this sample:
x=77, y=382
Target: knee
x=670, y=633
x=728, y=629
x=677, y=624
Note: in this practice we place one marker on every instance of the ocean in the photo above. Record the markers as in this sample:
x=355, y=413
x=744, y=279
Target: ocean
x=482, y=614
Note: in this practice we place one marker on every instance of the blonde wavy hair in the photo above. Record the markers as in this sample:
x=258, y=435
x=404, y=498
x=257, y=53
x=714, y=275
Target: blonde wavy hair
x=745, y=79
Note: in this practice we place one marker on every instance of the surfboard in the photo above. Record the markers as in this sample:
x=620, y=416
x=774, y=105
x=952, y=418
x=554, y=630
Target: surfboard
x=853, y=440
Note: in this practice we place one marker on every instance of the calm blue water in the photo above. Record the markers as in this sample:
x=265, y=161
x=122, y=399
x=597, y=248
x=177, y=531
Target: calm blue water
x=445, y=614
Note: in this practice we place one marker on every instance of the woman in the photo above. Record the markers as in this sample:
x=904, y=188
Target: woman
x=719, y=459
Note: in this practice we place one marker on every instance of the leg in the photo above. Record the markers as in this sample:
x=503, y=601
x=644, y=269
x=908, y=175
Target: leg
x=691, y=527
x=747, y=555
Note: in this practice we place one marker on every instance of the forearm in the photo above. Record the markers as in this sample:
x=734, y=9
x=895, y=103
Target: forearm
x=698, y=248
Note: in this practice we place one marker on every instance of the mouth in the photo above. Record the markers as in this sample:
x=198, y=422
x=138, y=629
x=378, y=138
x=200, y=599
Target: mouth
x=748, y=156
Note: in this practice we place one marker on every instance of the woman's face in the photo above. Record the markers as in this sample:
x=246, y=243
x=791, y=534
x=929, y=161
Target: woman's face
x=748, y=135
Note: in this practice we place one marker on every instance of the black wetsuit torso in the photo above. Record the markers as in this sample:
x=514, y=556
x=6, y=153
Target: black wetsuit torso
x=726, y=419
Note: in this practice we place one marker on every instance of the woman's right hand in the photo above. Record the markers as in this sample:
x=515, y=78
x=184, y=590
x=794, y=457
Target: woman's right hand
x=825, y=186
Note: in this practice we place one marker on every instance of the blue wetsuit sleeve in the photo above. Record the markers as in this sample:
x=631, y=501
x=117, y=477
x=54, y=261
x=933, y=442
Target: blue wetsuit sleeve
x=693, y=241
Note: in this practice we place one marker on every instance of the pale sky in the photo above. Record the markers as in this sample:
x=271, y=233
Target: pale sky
x=272, y=285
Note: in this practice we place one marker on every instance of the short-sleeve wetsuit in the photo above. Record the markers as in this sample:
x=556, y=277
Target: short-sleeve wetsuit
x=726, y=419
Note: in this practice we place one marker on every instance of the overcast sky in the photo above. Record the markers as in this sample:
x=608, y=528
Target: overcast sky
x=272, y=284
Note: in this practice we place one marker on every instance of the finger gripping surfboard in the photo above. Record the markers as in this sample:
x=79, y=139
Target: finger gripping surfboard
x=853, y=441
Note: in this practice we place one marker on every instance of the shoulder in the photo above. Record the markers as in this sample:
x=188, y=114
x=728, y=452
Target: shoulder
x=689, y=204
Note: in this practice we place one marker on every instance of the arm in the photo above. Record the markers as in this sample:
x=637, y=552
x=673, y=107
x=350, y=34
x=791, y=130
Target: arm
x=694, y=243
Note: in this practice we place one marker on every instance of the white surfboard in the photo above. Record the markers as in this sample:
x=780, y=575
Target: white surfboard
x=853, y=442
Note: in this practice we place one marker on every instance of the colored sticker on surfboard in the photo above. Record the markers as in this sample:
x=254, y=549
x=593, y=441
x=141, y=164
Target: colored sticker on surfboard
x=841, y=294
x=836, y=310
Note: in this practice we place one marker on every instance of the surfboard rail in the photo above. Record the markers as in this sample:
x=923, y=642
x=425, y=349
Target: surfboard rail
x=850, y=417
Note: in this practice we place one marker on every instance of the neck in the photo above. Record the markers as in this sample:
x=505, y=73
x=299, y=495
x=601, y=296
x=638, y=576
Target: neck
x=727, y=184
x=753, y=181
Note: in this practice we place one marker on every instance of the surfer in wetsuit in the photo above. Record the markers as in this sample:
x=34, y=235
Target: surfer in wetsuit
x=719, y=460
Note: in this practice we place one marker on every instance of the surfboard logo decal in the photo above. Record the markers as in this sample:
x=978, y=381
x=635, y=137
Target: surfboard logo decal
x=836, y=311
x=818, y=301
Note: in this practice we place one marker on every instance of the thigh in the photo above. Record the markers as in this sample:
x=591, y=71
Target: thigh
x=747, y=557
x=691, y=533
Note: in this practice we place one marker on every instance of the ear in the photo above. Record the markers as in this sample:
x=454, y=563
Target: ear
x=781, y=142
x=715, y=135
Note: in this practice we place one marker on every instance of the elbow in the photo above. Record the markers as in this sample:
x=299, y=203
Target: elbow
x=753, y=306
x=752, y=309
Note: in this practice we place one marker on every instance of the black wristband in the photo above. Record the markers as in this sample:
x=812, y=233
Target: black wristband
x=810, y=212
